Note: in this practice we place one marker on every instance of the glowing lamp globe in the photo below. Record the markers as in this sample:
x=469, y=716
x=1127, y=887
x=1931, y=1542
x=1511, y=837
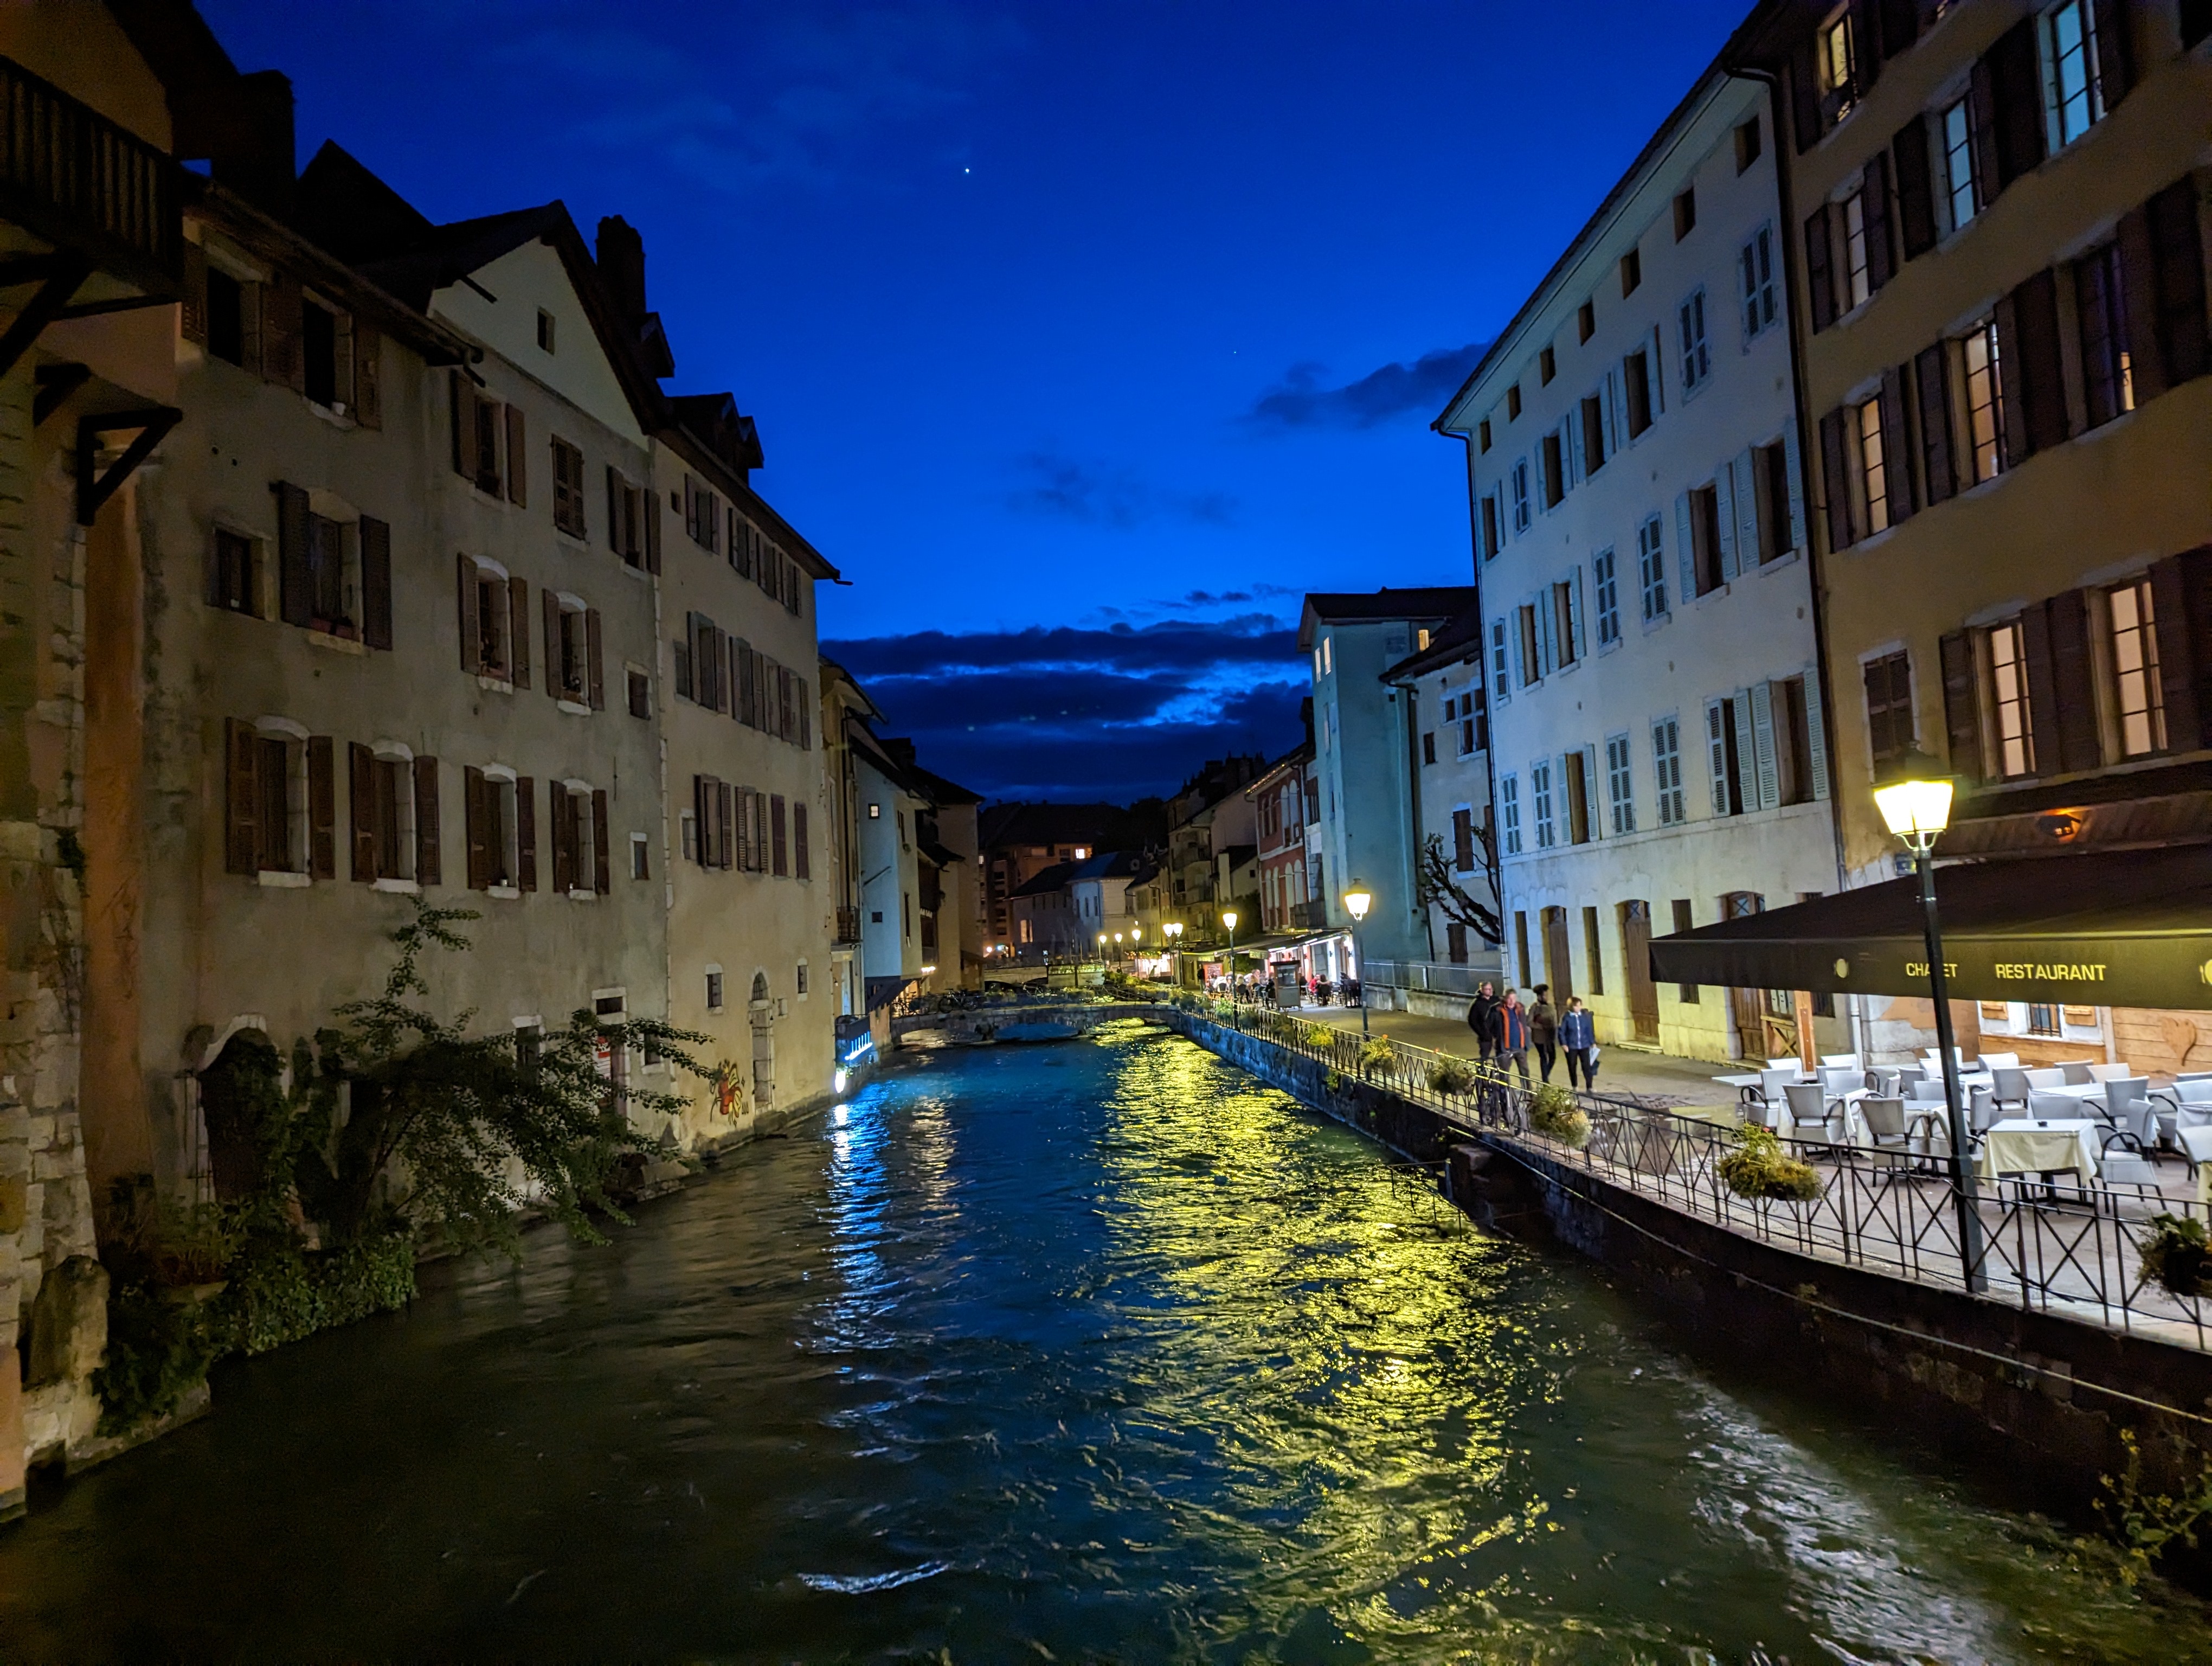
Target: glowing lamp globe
x=1357, y=901
x=1916, y=803
x=1228, y=919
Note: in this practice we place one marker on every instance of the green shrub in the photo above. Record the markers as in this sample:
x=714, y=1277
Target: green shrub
x=159, y=1348
x=1758, y=1167
x=1319, y=1037
x=278, y=1293
x=1377, y=1057
x=1554, y=1113
x=2176, y=1255
x=1331, y=1081
x=1451, y=1076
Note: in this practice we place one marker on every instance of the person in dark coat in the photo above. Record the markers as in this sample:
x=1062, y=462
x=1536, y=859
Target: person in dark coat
x=1544, y=1029
x=1479, y=1019
x=1578, y=1040
x=1509, y=1031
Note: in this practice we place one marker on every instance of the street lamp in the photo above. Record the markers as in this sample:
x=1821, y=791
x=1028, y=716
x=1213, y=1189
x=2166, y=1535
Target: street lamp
x=1173, y=931
x=1916, y=806
x=1357, y=900
x=1229, y=923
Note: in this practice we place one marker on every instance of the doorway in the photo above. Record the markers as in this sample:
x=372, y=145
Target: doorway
x=1635, y=954
x=1559, y=967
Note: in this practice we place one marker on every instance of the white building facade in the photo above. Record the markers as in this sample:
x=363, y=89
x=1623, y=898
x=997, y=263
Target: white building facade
x=1659, y=751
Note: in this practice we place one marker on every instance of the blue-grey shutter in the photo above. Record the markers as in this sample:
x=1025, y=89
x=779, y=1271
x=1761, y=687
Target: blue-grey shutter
x=1575, y=465
x=1762, y=744
x=1577, y=637
x=1796, y=485
x=1685, y=549
x=1547, y=647
x=1747, y=512
x=1724, y=518
x=1501, y=685
x=1658, y=372
x=1594, y=793
x=1612, y=398
x=1716, y=753
x=1746, y=751
x=1816, y=732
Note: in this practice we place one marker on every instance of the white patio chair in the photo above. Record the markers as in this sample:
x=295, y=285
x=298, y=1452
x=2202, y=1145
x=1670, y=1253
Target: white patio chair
x=2001, y=1061
x=1840, y=1060
x=1885, y=1124
x=2124, y=1168
x=2108, y=1073
x=2075, y=1072
x=1984, y=1111
x=1812, y=1116
x=2126, y=1107
x=2196, y=1147
x=2046, y=1076
x=2008, y=1086
x=2058, y=1107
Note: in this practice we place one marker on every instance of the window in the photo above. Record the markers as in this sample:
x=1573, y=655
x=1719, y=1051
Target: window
x=640, y=694
x=1509, y=812
x=500, y=813
x=1685, y=992
x=2009, y=711
x=1697, y=356
x=1513, y=402
x=1835, y=61
x=1491, y=531
x=1456, y=943
x=1746, y=144
x=1429, y=746
x=480, y=427
x=545, y=331
x=1547, y=365
x=1874, y=468
x=1636, y=380
x=1555, y=472
x=1858, y=281
x=1498, y=666
x=1724, y=755
x=1667, y=767
x=2108, y=369
x=1474, y=729
x=1984, y=380
x=1482, y=429
x=779, y=837
x=1770, y=469
x=1631, y=272
x=1532, y=660
x=2137, y=704
x=715, y=973
x=1585, y=321
x=1593, y=415
x=630, y=520
x=1579, y=790
x=231, y=582
x=568, y=487
x=2043, y=1020
x=319, y=343
x=1960, y=188
x=278, y=804
x=572, y=654
x=703, y=515
x=1607, y=590
x=579, y=815
x=490, y=600
x=389, y=806
x=1591, y=951
x=1520, y=482
x=233, y=310
x=2074, y=91
x=1685, y=213
x=1463, y=840
x=333, y=578
x=641, y=861
x=1704, y=503
x=1619, y=791
x=1889, y=709
x=1755, y=264
x=1539, y=804
x=1650, y=570
x=800, y=984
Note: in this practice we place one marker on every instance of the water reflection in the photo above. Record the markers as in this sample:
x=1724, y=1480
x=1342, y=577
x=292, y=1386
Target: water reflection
x=1090, y=1352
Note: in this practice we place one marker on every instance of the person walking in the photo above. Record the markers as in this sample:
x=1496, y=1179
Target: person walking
x=1544, y=1029
x=1480, y=1019
x=1510, y=1027
x=1579, y=1038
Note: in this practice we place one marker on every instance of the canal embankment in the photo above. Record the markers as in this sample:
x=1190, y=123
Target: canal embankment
x=2077, y=1418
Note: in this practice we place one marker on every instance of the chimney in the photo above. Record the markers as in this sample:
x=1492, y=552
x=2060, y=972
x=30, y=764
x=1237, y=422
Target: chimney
x=259, y=161
x=622, y=266
x=901, y=752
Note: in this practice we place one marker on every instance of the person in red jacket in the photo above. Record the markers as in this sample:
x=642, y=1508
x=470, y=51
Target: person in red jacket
x=1509, y=1028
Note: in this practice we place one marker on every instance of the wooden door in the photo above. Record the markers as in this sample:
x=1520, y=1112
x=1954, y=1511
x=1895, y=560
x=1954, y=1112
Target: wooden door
x=1558, y=968
x=1636, y=952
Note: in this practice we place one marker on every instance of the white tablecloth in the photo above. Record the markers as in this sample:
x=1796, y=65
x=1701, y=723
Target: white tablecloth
x=2022, y=1146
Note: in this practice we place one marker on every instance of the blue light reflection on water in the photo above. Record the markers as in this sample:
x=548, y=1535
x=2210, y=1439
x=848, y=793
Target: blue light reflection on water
x=1098, y=1350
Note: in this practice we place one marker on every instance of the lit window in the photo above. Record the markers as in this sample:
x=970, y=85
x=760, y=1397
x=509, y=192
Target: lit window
x=2135, y=670
x=1859, y=286
x=1984, y=401
x=1833, y=57
x=2074, y=88
x=1874, y=468
x=2009, y=685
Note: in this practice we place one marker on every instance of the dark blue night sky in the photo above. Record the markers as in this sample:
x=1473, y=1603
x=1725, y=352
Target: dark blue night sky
x=1084, y=338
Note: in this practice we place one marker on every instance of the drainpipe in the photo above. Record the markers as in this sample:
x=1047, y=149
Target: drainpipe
x=1785, y=233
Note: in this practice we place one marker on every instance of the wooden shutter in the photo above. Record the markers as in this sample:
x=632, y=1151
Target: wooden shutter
x=602, y=869
x=1866, y=46
x=1896, y=447
x=192, y=310
x=700, y=825
x=362, y=778
x=2016, y=83
x=295, y=595
x=1716, y=730
x=2075, y=678
x=429, y=850
x=375, y=582
x=1686, y=551
x=1916, y=188
x=281, y=361
x=518, y=632
x=2042, y=676
x=1767, y=771
x=1932, y=384
x=726, y=852
x=2178, y=248
x=596, y=682
x=518, y=453
x=652, y=530
x=464, y=404
x=1804, y=97
x=465, y=610
x=2184, y=635
x=322, y=809
x=564, y=832
x=614, y=511
x=805, y=713
x=476, y=824
x=2115, y=59
x=1835, y=484
x=525, y=833
x=368, y=374
x=1900, y=25
x=1873, y=206
x=1962, y=715
x=802, y=865
x=2034, y=380
x=1794, y=463
x=1820, y=276
x=1982, y=130
x=2139, y=293
x=242, y=845
x=551, y=611
x=1816, y=732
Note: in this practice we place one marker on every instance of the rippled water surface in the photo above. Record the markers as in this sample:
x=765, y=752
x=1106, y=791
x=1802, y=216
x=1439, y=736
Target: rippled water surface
x=1090, y=1352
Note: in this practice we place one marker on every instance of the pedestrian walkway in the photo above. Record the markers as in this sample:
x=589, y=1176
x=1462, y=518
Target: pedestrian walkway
x=1656, y=1077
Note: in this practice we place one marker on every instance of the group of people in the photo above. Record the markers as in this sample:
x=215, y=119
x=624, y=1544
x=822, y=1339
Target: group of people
x=1506, y=1030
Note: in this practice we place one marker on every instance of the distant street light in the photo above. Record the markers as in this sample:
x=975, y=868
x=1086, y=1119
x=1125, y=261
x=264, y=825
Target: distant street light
x=1228, y=921
x=1357, y=900
x=1916, y=806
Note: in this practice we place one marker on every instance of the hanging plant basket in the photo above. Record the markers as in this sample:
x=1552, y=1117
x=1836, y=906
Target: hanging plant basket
x=1554, y=1113
x=1758, y=1167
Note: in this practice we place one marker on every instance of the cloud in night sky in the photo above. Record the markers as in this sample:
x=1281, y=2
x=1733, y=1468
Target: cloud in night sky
x=1074, y=713
x=1300, y=401
x=1067, y=489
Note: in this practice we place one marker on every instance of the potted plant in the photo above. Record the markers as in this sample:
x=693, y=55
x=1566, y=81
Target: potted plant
x=2176, y=1255
x=1554, y=1113
x=1758, y=1167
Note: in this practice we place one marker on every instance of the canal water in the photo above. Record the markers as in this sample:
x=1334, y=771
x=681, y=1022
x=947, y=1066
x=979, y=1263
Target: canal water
x=1092, y=1351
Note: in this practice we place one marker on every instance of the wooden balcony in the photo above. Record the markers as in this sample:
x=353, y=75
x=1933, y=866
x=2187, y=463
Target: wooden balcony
x=76, y=180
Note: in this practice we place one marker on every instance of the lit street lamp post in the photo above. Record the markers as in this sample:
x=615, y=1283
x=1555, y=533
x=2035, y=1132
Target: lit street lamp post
x=1357, y=902
x=1228, y=921
x=1917, y=805
x=1173, y=931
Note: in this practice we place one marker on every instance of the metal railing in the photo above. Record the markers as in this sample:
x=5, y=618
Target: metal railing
x=80, y=182
x=1429, y=975
x=848, y=925
x=2071, y=1249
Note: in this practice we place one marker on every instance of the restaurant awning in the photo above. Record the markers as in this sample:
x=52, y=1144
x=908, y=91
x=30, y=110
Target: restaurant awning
x=2107, y=928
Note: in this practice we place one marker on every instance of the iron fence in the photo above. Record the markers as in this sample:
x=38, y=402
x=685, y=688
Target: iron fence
x=2071, y=1248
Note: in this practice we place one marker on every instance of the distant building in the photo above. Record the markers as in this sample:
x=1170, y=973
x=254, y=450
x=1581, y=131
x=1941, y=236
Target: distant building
x=1016, y=842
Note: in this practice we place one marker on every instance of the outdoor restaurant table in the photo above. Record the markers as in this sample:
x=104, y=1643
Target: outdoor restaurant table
x=2020, y=1145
